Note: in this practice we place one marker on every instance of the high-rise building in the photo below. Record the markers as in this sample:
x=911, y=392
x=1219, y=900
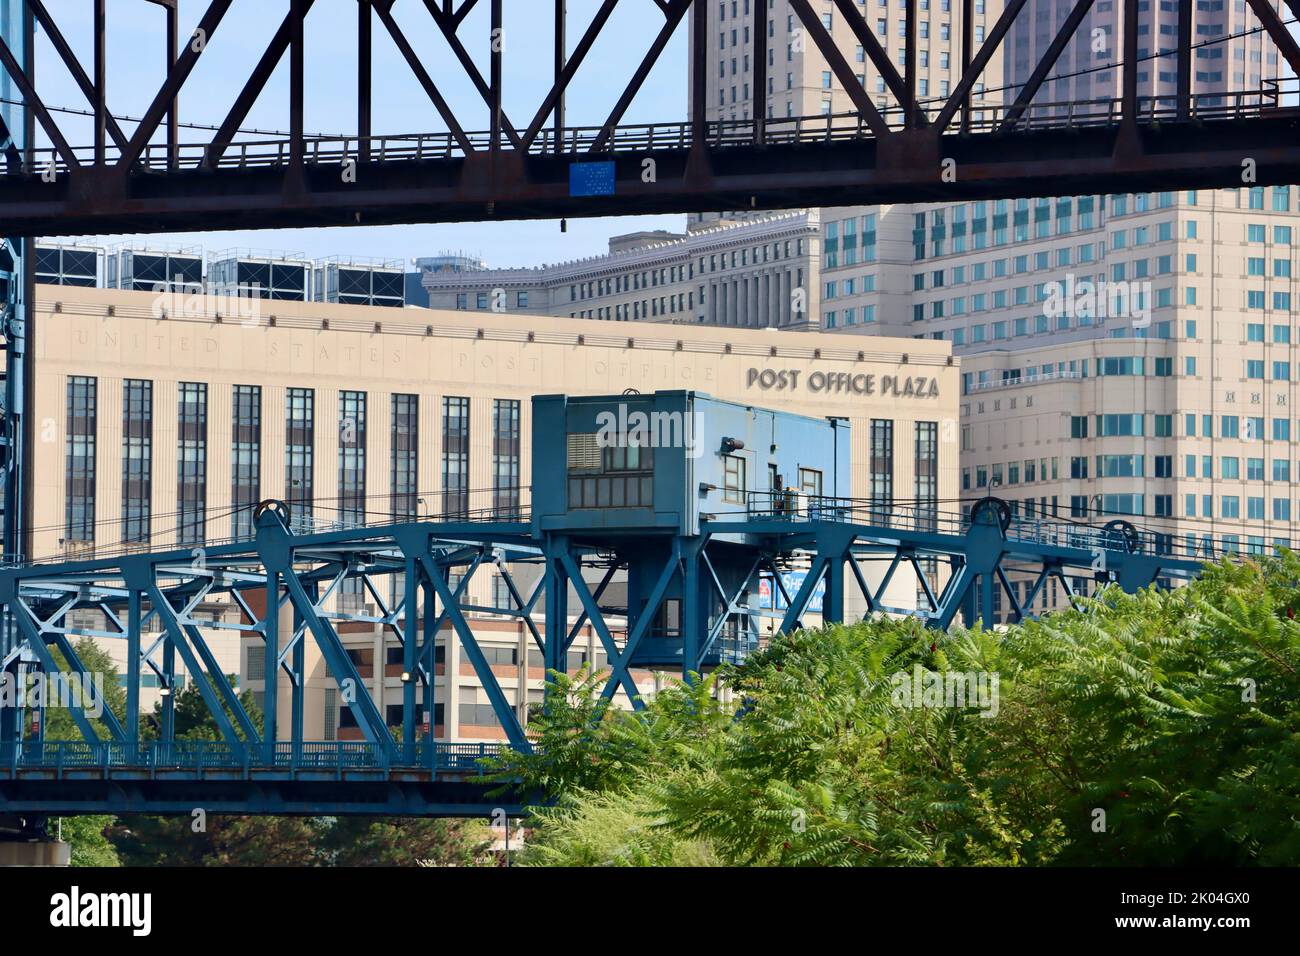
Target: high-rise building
x=754, y=273
x=1128, y=356
x=800, y=82
x=1231, y=52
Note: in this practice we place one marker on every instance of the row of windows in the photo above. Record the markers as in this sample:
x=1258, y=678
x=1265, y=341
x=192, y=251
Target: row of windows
x=1121, y=204
x=1028, y=471
x=1084, y=468
x=1258, y=508
x=1059, y=258
x=849, y=316
x=352, y=504
x=1230, y=468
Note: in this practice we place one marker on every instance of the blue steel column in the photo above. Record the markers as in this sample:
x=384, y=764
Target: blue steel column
x=557, y=607
x=299, y=666
x=169, y=698
x=17, y=27
x=271, y=675
x=429, y=626
x=694, y=611
x=833, y=602
x=133, y=665
x=410, y=635
x=986, y=600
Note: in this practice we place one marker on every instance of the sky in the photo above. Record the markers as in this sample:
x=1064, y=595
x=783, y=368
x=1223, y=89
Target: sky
x=136, y=67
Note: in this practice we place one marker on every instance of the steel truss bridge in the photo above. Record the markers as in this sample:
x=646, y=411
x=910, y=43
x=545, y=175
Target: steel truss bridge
x=140, y=176
x=284, y=586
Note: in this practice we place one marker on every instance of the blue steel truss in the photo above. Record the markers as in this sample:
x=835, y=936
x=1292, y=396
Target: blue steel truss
x=149, y=600
x=17, y=270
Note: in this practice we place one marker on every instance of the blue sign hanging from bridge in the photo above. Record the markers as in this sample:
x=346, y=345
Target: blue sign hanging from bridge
x=591, y=179
x=793, y=581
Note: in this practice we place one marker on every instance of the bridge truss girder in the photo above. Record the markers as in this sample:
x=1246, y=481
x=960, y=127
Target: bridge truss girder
x=142, y=179
x=150, y=601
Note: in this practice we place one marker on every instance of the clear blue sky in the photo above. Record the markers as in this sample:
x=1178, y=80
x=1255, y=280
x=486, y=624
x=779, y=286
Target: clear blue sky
x=136, y=68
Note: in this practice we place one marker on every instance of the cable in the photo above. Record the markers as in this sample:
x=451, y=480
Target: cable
x=123, y=118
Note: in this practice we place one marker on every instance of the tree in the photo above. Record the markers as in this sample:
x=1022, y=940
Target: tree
x=1154, y=728
x=86, y=835
x=403, y=841
x=59, y=724
x=283, y=841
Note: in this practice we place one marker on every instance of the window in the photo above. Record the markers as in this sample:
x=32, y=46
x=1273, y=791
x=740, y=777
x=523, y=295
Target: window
x=733, y=479
x=810, y=482
x=192, y=463
x=404, y=441
x=615, y=476
x=79, y=477
x=882, y=461
x=926, y=464
x=1108, y=425
x=455, y=456
x=246, y=457
x=352, y=457
x=299, y=443
x=137, y=459
x=505, y=457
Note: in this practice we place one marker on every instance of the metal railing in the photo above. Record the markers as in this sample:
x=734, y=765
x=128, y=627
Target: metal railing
x=198, y=756
x=474, y=506
x=719, y=134
x=796, y=506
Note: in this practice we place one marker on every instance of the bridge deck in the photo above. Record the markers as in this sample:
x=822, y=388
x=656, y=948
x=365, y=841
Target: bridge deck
x=76, y=777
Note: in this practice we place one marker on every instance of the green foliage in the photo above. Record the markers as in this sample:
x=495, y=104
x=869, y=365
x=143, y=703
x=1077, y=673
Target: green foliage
x=608, y=829
x=223, y=841
x=1173, y=717
x=88, y=840
x=59, y=724
x=193, y=720
x=86, y=835
x=403, y=841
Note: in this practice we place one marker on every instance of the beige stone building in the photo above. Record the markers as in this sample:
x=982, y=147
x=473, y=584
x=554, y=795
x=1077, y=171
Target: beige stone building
x=161, y=421
x=1172, y=402
x=755, y=274
x=800, y=81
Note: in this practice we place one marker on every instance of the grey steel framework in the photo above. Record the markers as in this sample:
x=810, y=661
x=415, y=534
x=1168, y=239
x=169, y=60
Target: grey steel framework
x=143, y=179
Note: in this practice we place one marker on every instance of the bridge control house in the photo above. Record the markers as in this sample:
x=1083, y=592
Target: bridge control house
x=162, y=422
x=644, y=476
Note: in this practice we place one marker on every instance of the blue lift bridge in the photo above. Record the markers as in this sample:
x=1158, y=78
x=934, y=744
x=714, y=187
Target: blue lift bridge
x=685, y=502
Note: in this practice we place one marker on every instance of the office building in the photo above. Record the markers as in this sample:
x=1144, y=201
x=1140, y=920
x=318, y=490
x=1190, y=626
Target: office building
x=167, y=431
x=1231, y=53
x=753, y=273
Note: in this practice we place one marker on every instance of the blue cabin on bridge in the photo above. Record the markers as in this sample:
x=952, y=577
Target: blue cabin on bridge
x=613, y=463
x=610, y=471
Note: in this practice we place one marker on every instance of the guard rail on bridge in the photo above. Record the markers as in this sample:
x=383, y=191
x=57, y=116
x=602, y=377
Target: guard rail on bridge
x=642, y=138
